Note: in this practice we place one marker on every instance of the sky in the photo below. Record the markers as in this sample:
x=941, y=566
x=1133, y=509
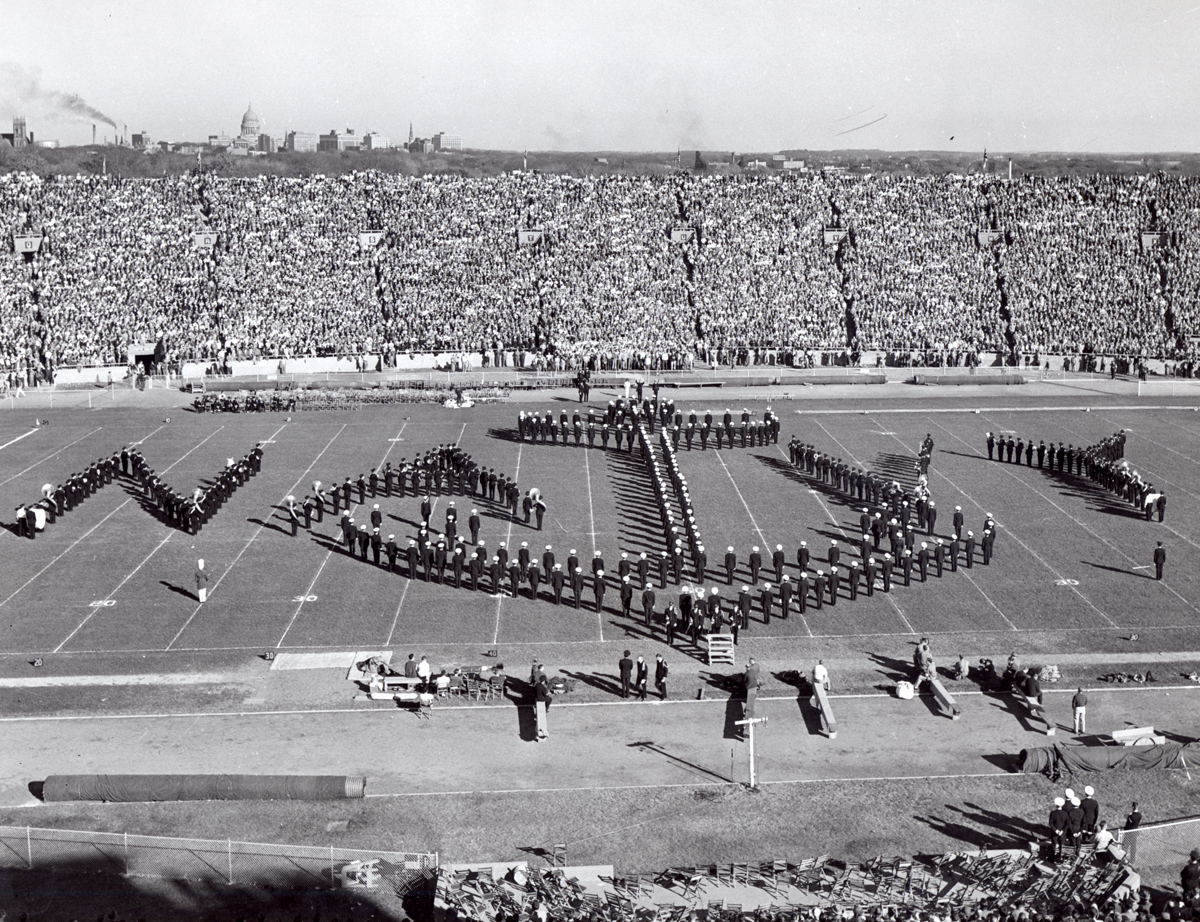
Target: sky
x=620, y=75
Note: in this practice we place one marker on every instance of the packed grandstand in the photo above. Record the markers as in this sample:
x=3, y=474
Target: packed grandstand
x=1063, y=267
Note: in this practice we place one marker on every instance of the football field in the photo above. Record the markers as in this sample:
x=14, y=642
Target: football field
x=1071, y=560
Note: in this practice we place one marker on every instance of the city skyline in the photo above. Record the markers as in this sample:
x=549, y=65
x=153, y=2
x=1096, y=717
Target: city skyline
x=1073, y=76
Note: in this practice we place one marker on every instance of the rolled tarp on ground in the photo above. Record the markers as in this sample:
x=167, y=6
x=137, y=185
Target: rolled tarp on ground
x=142, y=788
x=1062, y=759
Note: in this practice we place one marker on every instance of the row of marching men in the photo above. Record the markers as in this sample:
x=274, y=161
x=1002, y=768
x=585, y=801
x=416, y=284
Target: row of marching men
x=857, y=483
x=622, y=418
x=446, y=469
x=191, y=513
x=178, y=510
x=58, y=499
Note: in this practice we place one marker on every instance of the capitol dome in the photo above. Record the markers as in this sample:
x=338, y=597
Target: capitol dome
x=250, y=124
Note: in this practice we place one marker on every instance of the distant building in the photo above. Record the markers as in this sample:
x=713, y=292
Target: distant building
x=50, y=144
x=266, y=144
x=336, y=141
x=373, y=140
x=443, y=141
x=247, y=140
x=420, y=146
x=302, y=142
x=18, y=138
x=251, y=126
x=141, y=140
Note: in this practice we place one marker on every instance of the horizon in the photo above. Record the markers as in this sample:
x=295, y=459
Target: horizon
x=1078, y=77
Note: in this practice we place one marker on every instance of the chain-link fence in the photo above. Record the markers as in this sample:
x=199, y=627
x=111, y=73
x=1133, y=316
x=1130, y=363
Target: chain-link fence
x=257, y=864
x=1161, y=844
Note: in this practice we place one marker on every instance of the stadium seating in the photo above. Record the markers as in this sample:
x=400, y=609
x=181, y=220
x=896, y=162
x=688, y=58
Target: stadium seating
x=937, y=269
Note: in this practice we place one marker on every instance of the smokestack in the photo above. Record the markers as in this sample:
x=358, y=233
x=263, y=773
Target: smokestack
x=93, y=134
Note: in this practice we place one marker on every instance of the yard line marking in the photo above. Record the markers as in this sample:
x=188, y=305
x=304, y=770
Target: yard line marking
x=257, y=531
x=1142, y=435
x=849, y=453
x=396, y=617
x=1094, y=534
x=18, y=438
x=1163, y=479
x=170, y=532
x=817, y=496
x=507, y=542
x=49, y=456
x=987, y=598
x=408, y=582
x=753, y=522
x=587, y=469
x=70, y=548
x=79, y=627
x=296, y=613
x=1027, y=548
x=392, y=443
x=971, y=409
x=139, y=441
x=94, y=527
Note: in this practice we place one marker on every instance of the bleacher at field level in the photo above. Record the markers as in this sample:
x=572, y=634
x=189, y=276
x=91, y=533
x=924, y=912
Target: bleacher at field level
x=1062, y=268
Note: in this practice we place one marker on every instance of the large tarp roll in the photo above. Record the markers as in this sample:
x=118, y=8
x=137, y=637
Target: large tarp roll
x=1061, y=759
x=142, y=788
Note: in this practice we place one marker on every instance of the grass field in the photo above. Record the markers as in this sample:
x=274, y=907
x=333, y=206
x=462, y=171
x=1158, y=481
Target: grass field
x=109, y=577
x=108, y=590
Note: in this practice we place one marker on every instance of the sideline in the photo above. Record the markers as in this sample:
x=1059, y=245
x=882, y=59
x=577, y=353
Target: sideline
x=973, y=409
x=999, y=773
x=390, y=710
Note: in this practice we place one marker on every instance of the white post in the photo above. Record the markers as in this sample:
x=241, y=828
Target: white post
x=753, y=774
x=29, y=848
x=126, y=854
x=750, y=722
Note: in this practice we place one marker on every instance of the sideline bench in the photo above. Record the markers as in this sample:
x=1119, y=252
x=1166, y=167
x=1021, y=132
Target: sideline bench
x=821, y=698
x=944, y=699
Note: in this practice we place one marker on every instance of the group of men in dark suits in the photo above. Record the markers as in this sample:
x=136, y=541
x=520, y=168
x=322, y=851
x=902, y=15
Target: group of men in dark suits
x=180, y=511
x=1102, y=463
x=621, y=419
x=189, y=513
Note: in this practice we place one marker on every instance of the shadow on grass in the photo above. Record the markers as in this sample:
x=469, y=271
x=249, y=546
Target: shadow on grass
x=651, y=748
x=892, y=669
x=270, y=525
x=1137, y=574
x=179, y=590
x=1003, y=760
x=606, y=683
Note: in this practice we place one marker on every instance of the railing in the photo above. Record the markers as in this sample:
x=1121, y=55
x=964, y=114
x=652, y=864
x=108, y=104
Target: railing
x=258, y=864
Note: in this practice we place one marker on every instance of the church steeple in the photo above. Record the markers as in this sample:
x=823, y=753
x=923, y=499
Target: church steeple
x=410, y=134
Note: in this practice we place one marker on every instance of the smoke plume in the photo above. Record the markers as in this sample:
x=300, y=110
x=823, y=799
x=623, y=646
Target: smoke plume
x=22, y=90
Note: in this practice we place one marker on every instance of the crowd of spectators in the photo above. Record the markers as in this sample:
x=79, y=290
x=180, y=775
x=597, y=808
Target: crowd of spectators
x=629, y=271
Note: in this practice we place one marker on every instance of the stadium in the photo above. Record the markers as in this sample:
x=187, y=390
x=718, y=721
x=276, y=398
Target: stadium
x=676, y=537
